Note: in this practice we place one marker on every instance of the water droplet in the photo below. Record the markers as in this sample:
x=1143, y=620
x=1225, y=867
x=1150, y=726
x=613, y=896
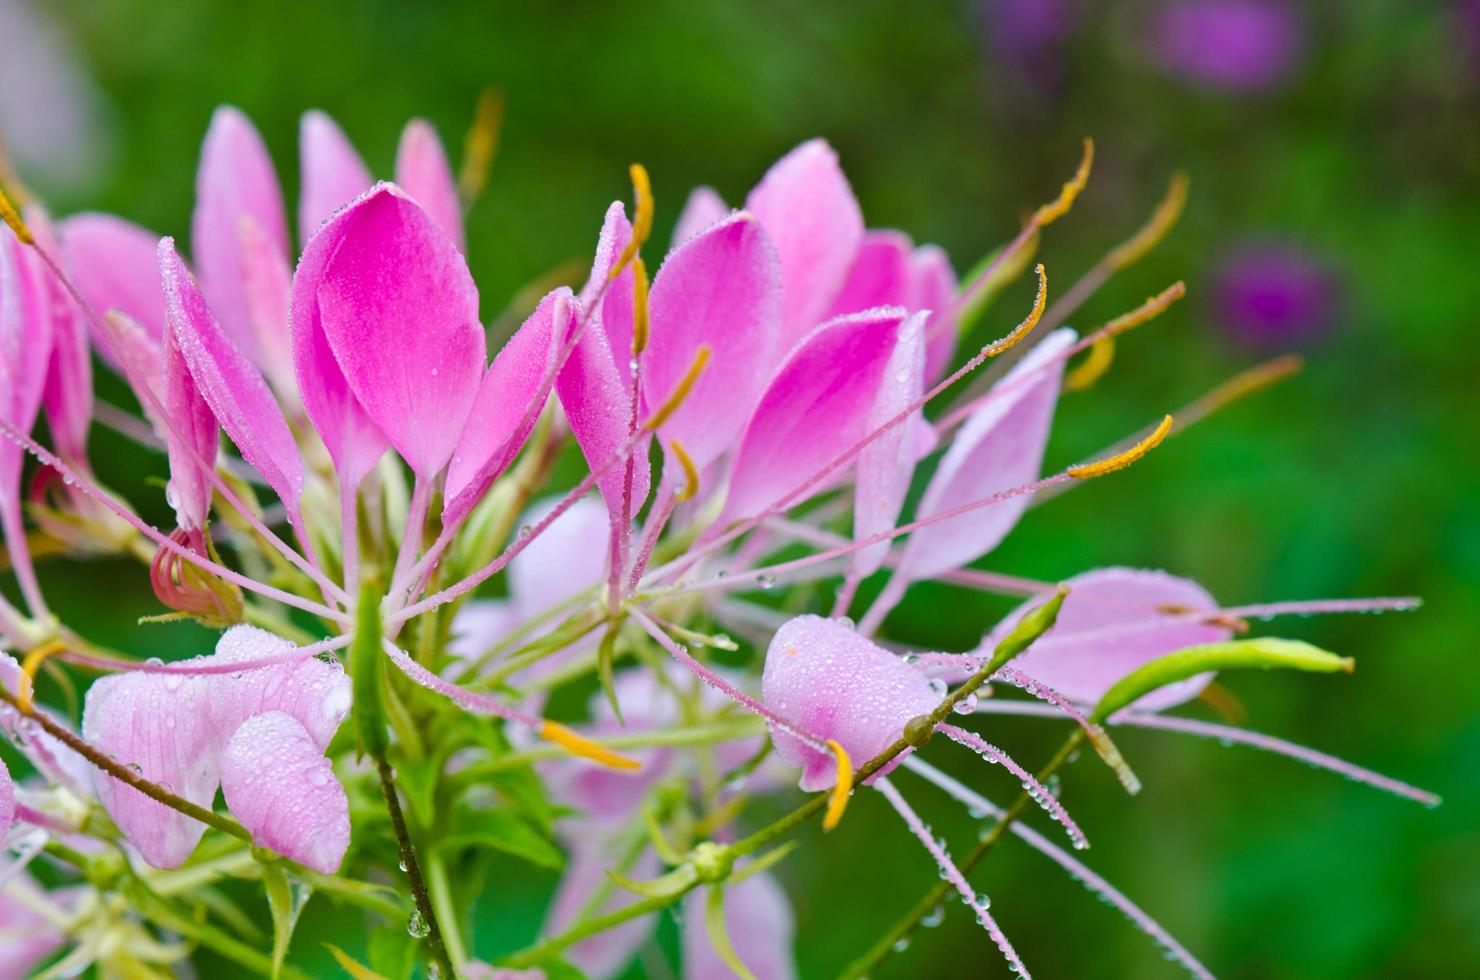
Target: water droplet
x=966, y=705
x=417, y=926
x=526, y=530
x=401, y=865
x=983, y=901
x=766, y=580
x=934, y=917
x=938, y=687
x=847, y=623
x=154, y=662
x=901, y=944
x=1054, y=785
x=910, y=659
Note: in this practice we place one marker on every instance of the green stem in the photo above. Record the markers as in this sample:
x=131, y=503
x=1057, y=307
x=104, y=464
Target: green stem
x=413, y=870
x=902, y=929
x=439, y=891
x=553, y=947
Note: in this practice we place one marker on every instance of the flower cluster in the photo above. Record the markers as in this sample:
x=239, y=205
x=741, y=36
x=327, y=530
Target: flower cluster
x=392, y=539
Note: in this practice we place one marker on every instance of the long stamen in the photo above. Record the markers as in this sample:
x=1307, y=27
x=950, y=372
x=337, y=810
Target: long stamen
x=1077, y=869
x=1120, y=461
x=1036, y=791
x=163, y=540
x=952, y=874
x=188, y=669
x=1228, y=733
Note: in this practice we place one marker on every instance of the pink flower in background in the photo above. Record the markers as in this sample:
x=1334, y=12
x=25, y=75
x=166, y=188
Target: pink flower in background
x=1239, y=46
x=1274, y=297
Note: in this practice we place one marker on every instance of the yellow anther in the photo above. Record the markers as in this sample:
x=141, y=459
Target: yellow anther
x=1057, y=208
x=642, y=219
x=681, y=390
x=1246, y=383
x=553, y=731
x=639, y=305
x=690, y=472
x=12, y=217
x=1149, y=310
x=480, y=146
x=1026, y=327
x=30, y=667
x=842, y=789
x=1121, y=460
x=1093, y=367
x=1156, y=227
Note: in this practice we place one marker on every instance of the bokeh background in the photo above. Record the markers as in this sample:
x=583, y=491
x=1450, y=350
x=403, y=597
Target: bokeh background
x=1335, y=159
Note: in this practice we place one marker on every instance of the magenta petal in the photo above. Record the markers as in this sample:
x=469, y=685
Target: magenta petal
x=613, y=316
x=935, y=290
x=505, y=412
x=116, y=268
x=886, y=464
x=267, y=287
x=316, y=694
x=191, y=439
x=68, y=395
x=806, y=206
x=814, y=409
x=720, y=288
x=759, y=922
x=879, y=276
x=423, y=172
x=703, y=208
x=25, y=353
x=278, y=783
x=159, y=726
x=400, y=313
x=999, y=447
x=333, y=174
x=235, y=180
x=598, y=406
x=142, y=362
x=1108, y=627
x=230, y=384
x=827, y=678
x=29, y=937
x=354, y=442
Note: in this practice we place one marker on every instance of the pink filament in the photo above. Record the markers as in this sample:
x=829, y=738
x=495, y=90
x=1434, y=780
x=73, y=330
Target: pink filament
x=1036, y=790
x=1079, y=871
x=473, y=701
x=192, y=669
x=953, y=874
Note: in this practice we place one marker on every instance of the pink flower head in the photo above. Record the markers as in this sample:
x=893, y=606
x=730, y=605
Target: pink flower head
x=1273, y=296
x=1113, y=621
x=173, y=729
x=830, y=680
x=333, y=174
x=1234, y=45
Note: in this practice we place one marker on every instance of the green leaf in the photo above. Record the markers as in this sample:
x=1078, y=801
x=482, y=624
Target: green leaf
x=504, y=831
x=284, y=912
x=1264, y=653
x=719, y=935
x=352, y=966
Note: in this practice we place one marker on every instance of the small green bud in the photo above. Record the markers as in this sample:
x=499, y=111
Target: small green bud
x=918, y=730
x=1027, y=632
x=712, y=861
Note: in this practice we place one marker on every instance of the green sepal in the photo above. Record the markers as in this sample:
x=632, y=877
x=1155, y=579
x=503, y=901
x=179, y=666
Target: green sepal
x=675, y=882
x=719, y=933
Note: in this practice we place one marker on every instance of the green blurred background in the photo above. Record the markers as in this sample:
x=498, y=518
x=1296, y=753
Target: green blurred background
x=1357, y=478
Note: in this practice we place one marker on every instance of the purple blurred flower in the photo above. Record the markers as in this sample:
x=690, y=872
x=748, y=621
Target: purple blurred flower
x=1027, y=35
x=1235, y=45
x=1275, y=296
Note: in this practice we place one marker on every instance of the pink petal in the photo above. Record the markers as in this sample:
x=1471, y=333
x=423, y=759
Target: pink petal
x=235, y=180
x=935, y=290
x=886, y=465
x=879, y=276
x=315, y=693
x=354, y=442
x=605, y=954
x=814, y=409
x=703, y=208
x=759, y=921
x=562, y=562
x=400, y=313
x=191, y=439
x=999, y=447
x=68, y=393
x=598, y=406
x=333, y=173
x=158, y=725
x=720, y=288
x=278, y=783
x=7, y=801
x=613, y=316
x=142, y=360
x=29, y=938
x=423, y=172
x=1108, y=627
x=267, y=287
x=827, y=678
x=502, y=418
x=25, y=352
x=116, y=268
x=230, y=384
x=806, y=206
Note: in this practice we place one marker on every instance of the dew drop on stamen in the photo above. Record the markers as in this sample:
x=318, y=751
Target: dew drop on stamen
x=526, y=530
x=154, y=662
x=966, y=705
x=765, y=581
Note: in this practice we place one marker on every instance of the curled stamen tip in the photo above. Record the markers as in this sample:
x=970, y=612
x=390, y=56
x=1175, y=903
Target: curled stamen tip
x=1040, y=299
x=842, y=789
x=642, y=218
x=690, y=473
x=639, y=305
x=30, y=667
x=12, y=217
x=1093, y=368
x=1060, y=206
x=1120, y=461
x=579, y=745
